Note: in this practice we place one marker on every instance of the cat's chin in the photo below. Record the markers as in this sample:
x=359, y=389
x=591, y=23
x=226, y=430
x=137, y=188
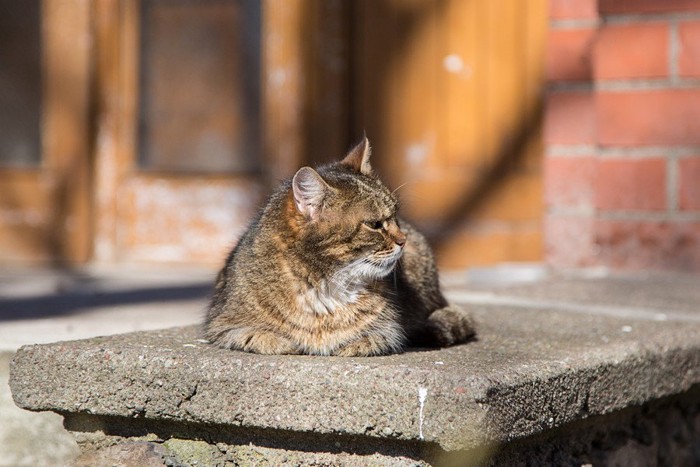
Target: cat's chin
x=387, y=265
x=381, y=269
x=378, y=273
x=365, y=271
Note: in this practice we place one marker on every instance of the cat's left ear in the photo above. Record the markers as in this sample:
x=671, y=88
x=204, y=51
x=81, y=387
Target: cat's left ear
x=358, y=157
x=309, y=192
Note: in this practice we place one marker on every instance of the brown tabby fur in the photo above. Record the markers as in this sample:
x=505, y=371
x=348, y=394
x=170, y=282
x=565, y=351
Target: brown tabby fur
x=318, y=272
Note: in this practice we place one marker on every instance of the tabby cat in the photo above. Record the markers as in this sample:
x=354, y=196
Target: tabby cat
x=328, y=268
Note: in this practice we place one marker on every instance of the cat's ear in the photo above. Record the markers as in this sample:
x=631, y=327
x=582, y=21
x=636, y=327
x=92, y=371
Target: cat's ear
x=358, y=157
x=309, y=192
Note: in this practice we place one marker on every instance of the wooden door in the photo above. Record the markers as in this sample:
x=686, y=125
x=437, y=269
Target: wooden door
x=202, y=107
x=149, y=131
x=449, y=92
x=44, y=139
x=177, y=152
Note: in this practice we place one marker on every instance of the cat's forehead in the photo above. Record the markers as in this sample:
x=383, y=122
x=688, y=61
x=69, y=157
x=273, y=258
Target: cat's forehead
x=366, y=193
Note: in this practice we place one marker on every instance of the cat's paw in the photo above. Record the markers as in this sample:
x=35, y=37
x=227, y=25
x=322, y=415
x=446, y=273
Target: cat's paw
x=269, y=343
x=450, y=325
x=256, y=341
x=367, y=346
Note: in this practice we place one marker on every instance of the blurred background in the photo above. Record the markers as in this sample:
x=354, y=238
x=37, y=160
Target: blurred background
x=137, y=139
x=149, y=132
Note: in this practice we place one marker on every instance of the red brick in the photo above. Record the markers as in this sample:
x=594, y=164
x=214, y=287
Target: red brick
x=632, y=51
x=569, y=241
x=689, y=184
x=573, y=9
x=689, y=53
x=570, y=118
x=648, y=244
x=637, y=184
x=646, y=6
x=569, y=54
x=570, y=181
x=655, y=117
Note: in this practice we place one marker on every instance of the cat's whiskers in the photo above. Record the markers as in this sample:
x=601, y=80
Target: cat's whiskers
x=399, y=187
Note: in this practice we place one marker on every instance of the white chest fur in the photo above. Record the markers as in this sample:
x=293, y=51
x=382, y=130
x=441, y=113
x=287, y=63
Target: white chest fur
x=328, y=297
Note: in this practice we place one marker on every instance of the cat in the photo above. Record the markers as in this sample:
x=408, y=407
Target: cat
x=328, y=268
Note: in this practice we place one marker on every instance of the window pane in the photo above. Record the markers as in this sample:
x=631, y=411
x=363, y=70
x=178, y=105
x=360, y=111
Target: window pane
x=20, y=83
x=199, y=85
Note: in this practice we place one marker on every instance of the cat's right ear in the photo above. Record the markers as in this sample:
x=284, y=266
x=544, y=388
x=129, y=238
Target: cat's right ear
x=309, y=192
x=358, y=157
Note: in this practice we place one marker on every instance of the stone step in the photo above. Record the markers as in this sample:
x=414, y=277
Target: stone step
x=548, y=355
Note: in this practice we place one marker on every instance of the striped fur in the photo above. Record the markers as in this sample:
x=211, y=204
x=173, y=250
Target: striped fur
x=328, y=268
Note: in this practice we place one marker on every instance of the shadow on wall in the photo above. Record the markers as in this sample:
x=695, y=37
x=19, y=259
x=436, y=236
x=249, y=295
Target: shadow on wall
x=381, y=37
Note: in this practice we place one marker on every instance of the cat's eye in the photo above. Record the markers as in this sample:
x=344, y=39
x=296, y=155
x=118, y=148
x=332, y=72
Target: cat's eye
x=374, y=225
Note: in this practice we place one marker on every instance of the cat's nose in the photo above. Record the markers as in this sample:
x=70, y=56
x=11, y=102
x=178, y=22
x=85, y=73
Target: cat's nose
x=396, y=234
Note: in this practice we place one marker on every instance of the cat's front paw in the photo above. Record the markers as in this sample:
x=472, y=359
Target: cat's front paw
x=449, y=326
x=268, y=343
x=367, y=346
x=256, y=341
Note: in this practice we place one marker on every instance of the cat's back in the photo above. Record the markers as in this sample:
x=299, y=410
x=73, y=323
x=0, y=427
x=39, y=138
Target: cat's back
x=262, y=240
x=253, y=265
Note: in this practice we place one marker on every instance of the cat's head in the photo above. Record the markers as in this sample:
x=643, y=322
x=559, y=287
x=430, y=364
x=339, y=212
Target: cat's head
x=349, y=216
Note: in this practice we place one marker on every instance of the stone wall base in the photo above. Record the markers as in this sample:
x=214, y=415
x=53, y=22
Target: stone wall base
x=665, y=432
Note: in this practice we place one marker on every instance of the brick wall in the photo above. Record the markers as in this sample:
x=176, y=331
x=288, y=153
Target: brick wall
x=622, y=132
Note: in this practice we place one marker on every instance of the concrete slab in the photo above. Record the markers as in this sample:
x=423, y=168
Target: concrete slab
x=655, y=291
x=536, y=365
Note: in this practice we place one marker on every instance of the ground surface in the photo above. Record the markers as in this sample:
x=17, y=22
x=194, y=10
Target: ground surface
x=589, y=332
x=40, y=306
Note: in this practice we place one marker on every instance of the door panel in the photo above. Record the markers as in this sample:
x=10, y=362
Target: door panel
x=186, y=219
x=24, y=191
x=20, y=83
x=177, y=172
x=199, y=86
x=25, y=215
x=44, y=164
